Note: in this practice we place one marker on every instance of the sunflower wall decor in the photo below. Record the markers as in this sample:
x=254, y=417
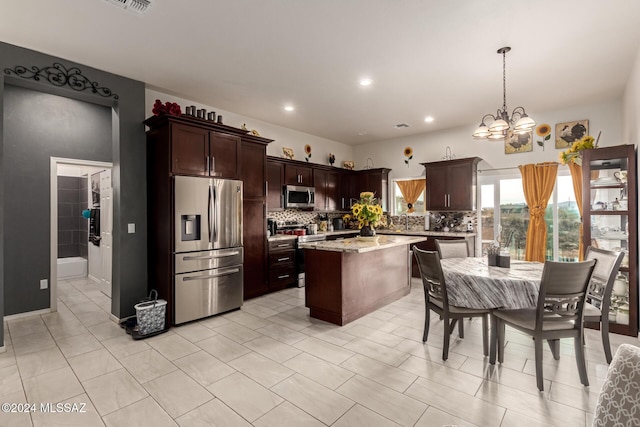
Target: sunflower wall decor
x=544, y=131
x=408, y=153
x=307, y=152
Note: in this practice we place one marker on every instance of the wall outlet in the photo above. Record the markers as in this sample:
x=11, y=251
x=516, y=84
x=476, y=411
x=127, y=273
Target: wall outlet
x=44, y=284
x=131, y=228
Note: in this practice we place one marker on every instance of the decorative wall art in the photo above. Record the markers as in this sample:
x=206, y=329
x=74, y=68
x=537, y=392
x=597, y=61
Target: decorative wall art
x=287, y=153
x=518, y=143
x=544, y=132
x=307, y=151
x=348, y=164
x=408, y=153
x=332, y=158
x=569, y=132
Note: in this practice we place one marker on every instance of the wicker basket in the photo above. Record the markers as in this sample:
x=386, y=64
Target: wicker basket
x=151, y=314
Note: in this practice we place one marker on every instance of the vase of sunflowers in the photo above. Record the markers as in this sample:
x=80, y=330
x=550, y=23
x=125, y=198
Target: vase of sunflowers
x=368, y=212
x=574, y=154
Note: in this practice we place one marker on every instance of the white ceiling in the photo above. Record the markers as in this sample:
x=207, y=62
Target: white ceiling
x=426, y=57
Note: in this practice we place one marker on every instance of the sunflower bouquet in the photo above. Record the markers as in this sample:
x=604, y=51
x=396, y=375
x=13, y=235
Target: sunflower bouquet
x=573, y=154
x=367, y=211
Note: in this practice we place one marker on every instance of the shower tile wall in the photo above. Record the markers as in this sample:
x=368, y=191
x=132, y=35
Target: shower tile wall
x=72, y=227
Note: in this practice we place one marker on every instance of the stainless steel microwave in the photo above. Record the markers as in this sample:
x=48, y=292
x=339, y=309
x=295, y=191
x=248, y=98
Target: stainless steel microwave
x=299, y=197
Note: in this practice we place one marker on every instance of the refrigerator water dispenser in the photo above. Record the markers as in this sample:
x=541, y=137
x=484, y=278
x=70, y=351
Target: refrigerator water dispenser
x=190, y=227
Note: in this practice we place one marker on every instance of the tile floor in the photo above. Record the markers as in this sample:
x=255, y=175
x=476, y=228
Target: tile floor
x=269, y=364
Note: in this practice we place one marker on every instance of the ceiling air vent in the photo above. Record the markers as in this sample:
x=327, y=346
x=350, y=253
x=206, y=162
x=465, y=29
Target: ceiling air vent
x=401, y=125
x=139, y=7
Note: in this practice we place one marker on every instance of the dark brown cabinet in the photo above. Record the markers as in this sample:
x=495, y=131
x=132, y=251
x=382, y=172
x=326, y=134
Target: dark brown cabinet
x=327, y=185
x=374, y=180
x=185, y=145
x=298, y=175
x=202, y=152
x=282, y=271
x=451, y=184
x=610, y=221
x=275, y=180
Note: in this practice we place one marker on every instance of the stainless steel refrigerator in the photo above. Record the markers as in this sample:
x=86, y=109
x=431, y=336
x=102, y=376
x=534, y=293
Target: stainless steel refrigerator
x=208, y=251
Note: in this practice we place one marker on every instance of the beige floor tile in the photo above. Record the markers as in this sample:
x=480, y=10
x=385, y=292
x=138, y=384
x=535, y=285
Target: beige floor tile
x=94, y=364
x=564, y=371
x=124, y=346
x=436, y=417
x=585, y=398
x=245, y=396
x=214, y=322
x=78, y=344
x=272, y=349
x=282, y=333
x=177, y=393
x=290, y=321
x=91, y=318
x=431, y=353
x=377, y=351
x=515, y=419
x=78, y=411
x=203, y=367
x=212, y=413
x=15, y=419
x=26, y=326
x=173, y=346
x=373, y=323
x=67, y=328
x=503, y=375
x=113, y=391
x=329, y=333
x=457, y=403
x=147, y=365
x=383, y=338
x=318, y=370
x=540, y=408
x=359, y=416
x=105, y=330
x=41, y=362
x=403, y=409
x=380, y=372
x=249, y=320
x=315, y=399
x=25, y=344
x=262, y=370
x=238, y=333
x=287, y=415
x=324, y=350
x=10, y=381
x=53, y=386
x=194, y=332
x=437, y=373
x=258, y=311
x=223, y=348
x=145, y=412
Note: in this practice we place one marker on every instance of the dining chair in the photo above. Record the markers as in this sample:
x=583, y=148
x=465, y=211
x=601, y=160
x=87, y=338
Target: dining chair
x=558, y=314
x=597, y=305
x=437, y=300
x=452, y=248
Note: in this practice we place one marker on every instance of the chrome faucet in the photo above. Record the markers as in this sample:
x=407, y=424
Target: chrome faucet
x=406, y=223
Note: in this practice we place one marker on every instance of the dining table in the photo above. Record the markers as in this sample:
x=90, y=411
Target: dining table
x=472, y=283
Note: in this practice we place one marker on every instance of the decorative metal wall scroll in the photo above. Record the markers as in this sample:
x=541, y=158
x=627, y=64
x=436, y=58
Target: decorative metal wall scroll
x=58, y=75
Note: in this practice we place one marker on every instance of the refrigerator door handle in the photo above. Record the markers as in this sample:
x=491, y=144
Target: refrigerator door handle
x=211, y=276
x=215, y=214
x=210, y=226
x=203, y=257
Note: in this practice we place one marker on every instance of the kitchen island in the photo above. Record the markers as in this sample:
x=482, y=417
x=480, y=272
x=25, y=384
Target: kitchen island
x=347, y=279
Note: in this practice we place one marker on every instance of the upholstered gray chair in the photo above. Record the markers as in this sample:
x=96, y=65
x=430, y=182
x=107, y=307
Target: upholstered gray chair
x=558, y=314
x=437, y=300
x=596, y=308
x=452, y=248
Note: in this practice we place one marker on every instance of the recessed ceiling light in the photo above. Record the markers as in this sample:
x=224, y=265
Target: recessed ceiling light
x=362, y=133
x=365, y=81
x=289, y=108
x=428, y=119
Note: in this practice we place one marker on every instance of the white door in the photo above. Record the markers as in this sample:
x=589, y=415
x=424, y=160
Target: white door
x=106, y=228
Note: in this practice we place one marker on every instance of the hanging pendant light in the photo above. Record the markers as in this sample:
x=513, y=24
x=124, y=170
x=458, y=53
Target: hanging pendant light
x=501, y=123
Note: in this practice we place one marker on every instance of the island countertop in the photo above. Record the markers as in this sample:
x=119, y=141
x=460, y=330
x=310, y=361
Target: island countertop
x=355, y=245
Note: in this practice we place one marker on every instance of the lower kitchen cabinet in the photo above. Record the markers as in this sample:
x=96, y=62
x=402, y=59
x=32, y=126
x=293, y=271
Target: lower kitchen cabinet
x=282, y=266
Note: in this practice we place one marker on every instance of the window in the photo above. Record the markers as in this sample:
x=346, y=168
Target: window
x=400, y=204
x=504, y=215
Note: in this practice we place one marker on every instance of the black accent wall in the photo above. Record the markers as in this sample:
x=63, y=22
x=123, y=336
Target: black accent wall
x=37, y=125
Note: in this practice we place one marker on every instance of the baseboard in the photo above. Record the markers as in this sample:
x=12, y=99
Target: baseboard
x=27, y=314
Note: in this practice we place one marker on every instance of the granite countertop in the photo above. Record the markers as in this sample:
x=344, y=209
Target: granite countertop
x=460, y=234
x=325, y=233
x=356, y=245
x=279, y=237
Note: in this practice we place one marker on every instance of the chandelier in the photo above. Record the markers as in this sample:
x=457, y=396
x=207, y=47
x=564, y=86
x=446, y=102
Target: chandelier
x=501, y=123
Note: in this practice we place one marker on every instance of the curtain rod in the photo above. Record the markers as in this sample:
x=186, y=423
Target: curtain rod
x=497, y=169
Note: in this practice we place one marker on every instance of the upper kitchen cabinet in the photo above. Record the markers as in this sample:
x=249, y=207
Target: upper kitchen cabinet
x=610, y=221
x=275, y=180
x=327, y=185
x=374, y=180
x=298, y=175
x=451, y=184
x=199, y=148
